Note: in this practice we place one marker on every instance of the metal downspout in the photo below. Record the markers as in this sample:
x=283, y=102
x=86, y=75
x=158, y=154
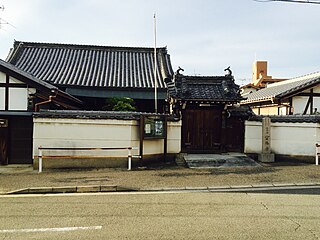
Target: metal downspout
x=36, y=108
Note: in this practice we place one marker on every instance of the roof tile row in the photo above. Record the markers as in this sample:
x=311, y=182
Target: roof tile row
x=216, y=88
x=94, y=66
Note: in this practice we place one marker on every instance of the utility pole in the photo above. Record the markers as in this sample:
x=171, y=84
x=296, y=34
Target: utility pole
x=155, y=65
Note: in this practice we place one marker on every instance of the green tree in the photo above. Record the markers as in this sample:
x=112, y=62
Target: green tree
x=120, y=104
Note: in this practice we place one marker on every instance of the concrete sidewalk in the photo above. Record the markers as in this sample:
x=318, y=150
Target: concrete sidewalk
x=165, y=177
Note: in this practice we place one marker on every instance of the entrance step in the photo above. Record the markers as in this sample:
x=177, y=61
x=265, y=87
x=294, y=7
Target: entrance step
x=16, y=168
x=180, y=161
x=219, y=160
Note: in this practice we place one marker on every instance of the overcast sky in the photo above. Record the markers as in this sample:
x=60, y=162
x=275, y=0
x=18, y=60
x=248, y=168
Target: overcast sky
x=202, y=36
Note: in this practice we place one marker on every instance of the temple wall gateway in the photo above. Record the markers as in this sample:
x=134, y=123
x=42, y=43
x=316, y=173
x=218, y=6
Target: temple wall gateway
x=97, y=133
x=293, y=139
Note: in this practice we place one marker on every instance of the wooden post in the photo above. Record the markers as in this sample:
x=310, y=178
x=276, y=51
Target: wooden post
x=165, y=140
x=141, y=136
x=223, y=136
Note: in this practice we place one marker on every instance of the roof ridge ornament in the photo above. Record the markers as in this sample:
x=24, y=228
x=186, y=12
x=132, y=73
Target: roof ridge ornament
x=229, y=72
x=179, y=70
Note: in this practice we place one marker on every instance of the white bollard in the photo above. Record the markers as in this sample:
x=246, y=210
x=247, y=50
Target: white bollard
x=40, y=160
x=317, y=154
x=129, y=159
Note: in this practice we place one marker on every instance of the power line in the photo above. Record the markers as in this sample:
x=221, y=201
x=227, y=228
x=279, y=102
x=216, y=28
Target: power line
x=290, y=1
x=3, y=21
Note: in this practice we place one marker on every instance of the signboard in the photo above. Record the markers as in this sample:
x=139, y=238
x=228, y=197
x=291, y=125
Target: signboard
x=266, y=135
x=154, y=127
x=3, y=123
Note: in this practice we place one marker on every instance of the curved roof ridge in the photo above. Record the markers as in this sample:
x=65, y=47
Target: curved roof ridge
x=87, y=46
x=296, y=79
x=81, y=65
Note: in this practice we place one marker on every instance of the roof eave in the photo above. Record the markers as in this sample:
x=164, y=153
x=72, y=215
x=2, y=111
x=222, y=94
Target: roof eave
x=259, y=100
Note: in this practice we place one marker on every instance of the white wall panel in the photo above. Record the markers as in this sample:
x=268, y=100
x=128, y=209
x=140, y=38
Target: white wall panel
x=13, y=80
x=18, y=99
x=297, y=139
x=99, y=133
x=2, y=77
x=299, y=104
x=2, y=98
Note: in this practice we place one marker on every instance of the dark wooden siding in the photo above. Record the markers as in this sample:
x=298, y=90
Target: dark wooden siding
x=3, y=145
x=235, y=134
x=21, y=129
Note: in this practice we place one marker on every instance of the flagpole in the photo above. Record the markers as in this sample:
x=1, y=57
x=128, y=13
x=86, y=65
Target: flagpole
x=155, y=65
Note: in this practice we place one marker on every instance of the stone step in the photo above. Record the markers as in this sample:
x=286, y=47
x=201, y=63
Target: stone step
x=218, y=160
x=180, y=160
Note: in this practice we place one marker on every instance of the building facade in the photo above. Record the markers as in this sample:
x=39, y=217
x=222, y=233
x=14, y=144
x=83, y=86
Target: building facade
x=20, y=95
x=96, y=73
x=299, y=95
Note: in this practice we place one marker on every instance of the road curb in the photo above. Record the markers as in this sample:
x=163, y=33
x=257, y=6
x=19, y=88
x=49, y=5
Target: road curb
x=233, y=188
x=73, y=189
x=115, y=188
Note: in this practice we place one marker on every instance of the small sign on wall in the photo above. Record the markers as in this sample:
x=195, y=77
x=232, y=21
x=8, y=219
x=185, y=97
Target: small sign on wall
x=3, y=123
x=154, y=127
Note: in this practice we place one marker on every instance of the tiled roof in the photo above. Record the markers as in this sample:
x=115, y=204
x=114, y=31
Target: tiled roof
x=78, y=114
x=32, y=79
x=289, y=118
x=92, y=66
x=213, y=88
x=244, y=112
x=34, y=82
x=284, y=88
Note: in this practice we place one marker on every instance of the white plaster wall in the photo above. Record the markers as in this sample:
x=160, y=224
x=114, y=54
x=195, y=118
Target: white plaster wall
x=174, y=137
x=286, y=138
x=2, y=98
x=316, y=104
x=2, y=77
x=2, y=90
x=14, y=80
x=18, y=98
x=97, y=133
x=283, y=111
x=316, y=89
x=299, y=104
x=253, y=137
x=269, y=110
x=294, y=138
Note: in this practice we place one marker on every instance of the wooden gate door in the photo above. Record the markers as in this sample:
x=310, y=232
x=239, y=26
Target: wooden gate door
x=235, y=135
x=3, y=141
x=201, y=131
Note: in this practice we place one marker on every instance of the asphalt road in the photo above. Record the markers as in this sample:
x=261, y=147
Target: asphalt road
x=192, y=215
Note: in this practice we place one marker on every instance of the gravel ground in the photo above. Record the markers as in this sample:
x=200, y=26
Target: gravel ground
x=165, y=176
